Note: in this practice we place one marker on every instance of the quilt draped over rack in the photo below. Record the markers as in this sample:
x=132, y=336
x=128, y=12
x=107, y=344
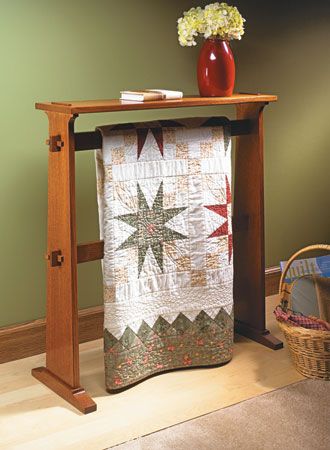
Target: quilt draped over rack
x=164, y=196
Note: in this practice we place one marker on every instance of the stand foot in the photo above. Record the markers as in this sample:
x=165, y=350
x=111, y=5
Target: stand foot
x=76, y=396
x=261, y=336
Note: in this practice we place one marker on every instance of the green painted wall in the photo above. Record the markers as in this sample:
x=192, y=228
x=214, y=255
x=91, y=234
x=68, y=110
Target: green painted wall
x=81, y=49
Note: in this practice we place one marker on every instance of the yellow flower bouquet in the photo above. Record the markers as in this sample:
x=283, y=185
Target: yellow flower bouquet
x=215, y=20
x=219, y=23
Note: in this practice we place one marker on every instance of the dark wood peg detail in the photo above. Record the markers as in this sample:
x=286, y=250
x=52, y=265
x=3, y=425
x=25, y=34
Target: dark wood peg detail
x=56, y=258
x=55, y=143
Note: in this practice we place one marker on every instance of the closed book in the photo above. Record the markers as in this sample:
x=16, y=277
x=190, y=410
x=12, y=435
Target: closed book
x=169, y=95
x=150, y=95
x=141, y=96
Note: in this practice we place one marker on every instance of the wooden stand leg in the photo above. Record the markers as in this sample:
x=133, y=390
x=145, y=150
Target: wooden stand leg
x=249, y=259
x=76, y=396
x=61, y=373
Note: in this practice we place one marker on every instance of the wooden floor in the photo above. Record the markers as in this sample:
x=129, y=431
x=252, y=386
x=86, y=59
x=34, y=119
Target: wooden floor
x=32, y=417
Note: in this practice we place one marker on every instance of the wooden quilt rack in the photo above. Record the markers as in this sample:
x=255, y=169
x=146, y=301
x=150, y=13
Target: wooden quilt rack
x=61, y=373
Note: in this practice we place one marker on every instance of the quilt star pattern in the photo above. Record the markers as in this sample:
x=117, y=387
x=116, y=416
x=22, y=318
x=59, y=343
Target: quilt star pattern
x=164, y=197
x=151, y=231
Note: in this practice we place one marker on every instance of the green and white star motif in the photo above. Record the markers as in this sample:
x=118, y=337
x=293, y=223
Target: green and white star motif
x=150, y=227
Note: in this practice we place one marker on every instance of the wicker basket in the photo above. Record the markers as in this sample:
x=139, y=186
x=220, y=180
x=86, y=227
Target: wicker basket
x=309, y=349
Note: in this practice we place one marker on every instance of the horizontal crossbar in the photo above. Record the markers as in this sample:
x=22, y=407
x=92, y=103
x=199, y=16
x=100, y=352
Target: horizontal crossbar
x=91, y=140
x=92, y=251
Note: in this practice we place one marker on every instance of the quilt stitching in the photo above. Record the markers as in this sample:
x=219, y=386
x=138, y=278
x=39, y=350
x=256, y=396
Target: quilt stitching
x=165, y=217
x=151, y=230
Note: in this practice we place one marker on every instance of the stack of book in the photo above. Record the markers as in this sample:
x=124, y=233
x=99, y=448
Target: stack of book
x=148, y=95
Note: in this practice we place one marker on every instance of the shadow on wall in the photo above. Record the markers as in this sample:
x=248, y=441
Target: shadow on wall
x=284, y=52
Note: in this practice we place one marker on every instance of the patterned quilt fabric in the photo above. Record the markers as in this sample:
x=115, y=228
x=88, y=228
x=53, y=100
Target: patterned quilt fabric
x=165, y=217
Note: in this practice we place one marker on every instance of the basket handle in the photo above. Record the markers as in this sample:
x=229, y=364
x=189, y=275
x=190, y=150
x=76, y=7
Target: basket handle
x=294, y=256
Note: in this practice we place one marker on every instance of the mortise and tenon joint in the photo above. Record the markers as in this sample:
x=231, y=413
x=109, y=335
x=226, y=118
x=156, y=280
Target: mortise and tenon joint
x=61, y=373
x=55, y=143
x=55, y=258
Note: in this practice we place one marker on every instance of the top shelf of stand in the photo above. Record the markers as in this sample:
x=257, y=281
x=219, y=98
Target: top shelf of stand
x=95, y=106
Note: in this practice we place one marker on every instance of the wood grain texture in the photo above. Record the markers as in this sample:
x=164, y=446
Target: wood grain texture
x=76, y=396
x=61, y=373
x=249, y=286
x=28, y=339
x=22, y=340
x=34, y=418
x=249, y=247
x=94, y=106
x=62, y=312
x=62, y=347
x=90, y=251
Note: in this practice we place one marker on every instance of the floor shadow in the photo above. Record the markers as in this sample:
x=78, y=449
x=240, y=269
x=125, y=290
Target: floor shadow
x=273, y=370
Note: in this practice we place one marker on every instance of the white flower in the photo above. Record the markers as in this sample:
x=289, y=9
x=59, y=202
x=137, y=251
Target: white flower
x=216, y=19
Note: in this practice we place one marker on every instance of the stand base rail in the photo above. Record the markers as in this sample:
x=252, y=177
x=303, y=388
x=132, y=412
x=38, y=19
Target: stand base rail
x=78, y=397
x=263, y=337
x=63, y=253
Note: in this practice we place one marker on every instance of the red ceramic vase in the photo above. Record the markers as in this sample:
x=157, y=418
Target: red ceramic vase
x=216, y=69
